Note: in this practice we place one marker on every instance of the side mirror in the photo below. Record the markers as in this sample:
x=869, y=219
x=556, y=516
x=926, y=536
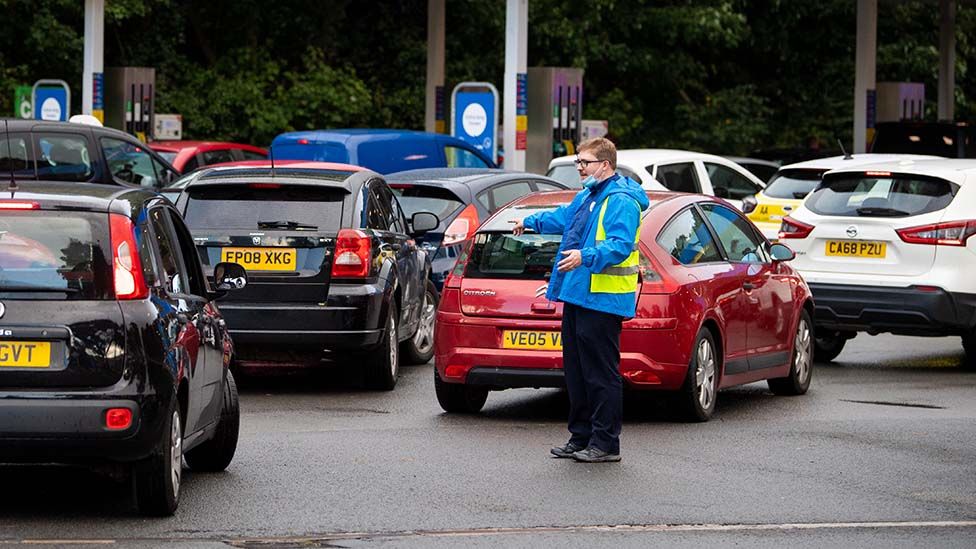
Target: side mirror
x=422, y=222
x=781, y=252
x=229, y=276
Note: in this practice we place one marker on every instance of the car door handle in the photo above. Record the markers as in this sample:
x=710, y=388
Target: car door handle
x=748, y=286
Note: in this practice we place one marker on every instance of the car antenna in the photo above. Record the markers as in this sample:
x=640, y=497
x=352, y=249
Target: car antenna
x=271, y=156
x=847, y=155
x=10, y=155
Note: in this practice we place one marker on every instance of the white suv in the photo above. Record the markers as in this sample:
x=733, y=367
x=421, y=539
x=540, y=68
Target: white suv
x=673, y=170
x=887, y=248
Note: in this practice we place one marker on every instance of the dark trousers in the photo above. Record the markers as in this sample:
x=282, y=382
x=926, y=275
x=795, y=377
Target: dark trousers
x=591, y=363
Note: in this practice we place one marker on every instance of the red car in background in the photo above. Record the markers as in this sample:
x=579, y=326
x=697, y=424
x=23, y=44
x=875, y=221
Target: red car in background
x=187, y=156
x=718, y=305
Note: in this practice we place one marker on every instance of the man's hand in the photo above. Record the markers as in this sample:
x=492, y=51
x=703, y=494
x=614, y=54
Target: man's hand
x=572, y=260
x=519, y=228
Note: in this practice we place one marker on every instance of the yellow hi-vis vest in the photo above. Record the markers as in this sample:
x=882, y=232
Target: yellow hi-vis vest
x=622, y=277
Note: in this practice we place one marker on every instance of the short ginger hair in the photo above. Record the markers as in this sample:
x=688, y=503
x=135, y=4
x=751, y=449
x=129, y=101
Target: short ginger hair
x=602, y=148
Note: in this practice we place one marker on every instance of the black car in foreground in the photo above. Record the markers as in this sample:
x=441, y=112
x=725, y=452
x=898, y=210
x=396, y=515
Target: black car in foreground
x=111, y=350
x=38, y=150
x=334, y=270
x=462, y=198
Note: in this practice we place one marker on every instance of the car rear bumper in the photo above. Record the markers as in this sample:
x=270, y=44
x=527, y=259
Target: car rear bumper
x=501, y=368
x=351, y=318
x=904, y=311
x=59, y=428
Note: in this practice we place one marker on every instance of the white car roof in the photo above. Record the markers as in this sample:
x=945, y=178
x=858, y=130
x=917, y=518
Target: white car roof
x=950, y=169
x=641, y=158
x=840, y=162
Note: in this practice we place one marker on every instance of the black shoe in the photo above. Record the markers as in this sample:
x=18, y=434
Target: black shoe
x=565, y=451
x=593, y=454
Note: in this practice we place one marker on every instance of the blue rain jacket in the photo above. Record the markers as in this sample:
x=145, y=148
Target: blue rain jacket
x=626, y=202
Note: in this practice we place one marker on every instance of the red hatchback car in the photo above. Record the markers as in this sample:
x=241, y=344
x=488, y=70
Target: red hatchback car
x=187, y=156
x=717, y=306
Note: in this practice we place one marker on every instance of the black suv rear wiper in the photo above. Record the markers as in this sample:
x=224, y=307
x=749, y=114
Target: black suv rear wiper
x=286, y=225
x=881, y=212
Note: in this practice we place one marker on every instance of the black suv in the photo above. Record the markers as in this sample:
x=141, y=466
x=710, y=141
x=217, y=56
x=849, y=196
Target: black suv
x=66, y=151
x=334, y=270
x=110, y=348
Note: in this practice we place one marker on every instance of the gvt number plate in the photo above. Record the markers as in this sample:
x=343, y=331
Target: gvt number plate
x=261, y=259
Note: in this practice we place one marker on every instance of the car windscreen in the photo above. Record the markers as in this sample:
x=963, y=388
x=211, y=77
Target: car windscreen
x=529, y=256
x=167, y=156
x=421, y=198
x=880, y=196
x=260, y=206
x=793, y=184
x=54, y=255
x=565, y=174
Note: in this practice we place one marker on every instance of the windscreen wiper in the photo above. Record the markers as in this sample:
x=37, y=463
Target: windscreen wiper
x=294, y=225
x=882, y=212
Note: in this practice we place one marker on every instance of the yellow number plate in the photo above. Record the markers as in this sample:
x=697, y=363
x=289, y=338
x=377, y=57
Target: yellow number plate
x=854, y=248
x=261, y=259
x=25, y=354
x=539, y=341
x=766, y=213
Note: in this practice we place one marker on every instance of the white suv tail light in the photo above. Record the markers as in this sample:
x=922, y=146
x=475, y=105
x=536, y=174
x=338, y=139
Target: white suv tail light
x=950, y=233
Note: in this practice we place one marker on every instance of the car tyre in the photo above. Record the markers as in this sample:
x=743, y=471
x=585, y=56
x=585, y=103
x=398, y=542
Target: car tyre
x=383, y=364
x=217, y=453
x=459, y=398
x=827, y=345
x=419, y=349
x=969, y=344
x=158, y=478
x=697, y=396
x=801, y=366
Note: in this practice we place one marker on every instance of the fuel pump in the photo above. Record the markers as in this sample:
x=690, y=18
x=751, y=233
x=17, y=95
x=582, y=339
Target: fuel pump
x=129, y=100
x=555, y=110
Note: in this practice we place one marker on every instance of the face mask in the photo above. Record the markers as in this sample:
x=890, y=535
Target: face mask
x=591, y=181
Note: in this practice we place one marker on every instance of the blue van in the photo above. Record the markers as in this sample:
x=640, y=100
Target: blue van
x=383, y=151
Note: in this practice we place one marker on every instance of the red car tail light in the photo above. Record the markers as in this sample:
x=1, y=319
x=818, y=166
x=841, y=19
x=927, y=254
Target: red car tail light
x=118, y=419
x=18, y=205
x=353, y=252
x=653, y=279
x=457, y=273
x=791, y=228
x=463, y=227
x=126, y=268
x=950, y=233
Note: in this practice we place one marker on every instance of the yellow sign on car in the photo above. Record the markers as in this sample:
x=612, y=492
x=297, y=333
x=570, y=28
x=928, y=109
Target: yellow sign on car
x=261, y=259
x=25, y=354
x=855, y=248
x=533, y=340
